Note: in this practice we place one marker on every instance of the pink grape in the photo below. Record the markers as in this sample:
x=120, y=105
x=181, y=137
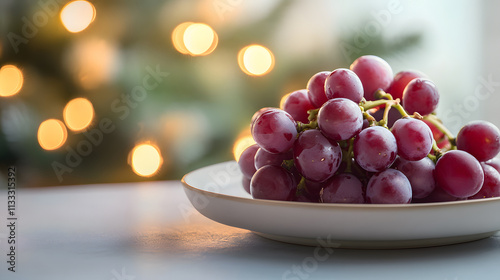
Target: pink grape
x=491, y=184
x=344, y=83
x=414, y=138
x=459, y=174
x=420, y=173
x=374, y=72
x=316, y=157
x=343, y=188
x=316, y=88
x=480, y=139
x=400, y=81
x=340, y=119
x=297, y=104
x=420, y=95
x=388, y=186
x=246, y=161
x=274, y=131
x=272, y=182
x=375, y=149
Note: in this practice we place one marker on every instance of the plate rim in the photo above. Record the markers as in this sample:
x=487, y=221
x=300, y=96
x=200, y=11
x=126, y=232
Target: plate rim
x=325, y=205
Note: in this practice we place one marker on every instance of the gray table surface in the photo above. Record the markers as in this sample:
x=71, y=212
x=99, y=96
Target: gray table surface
x=150, y=231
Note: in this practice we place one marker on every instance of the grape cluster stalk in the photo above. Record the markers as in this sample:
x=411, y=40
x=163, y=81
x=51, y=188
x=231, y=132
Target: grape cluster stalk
x=365, y=135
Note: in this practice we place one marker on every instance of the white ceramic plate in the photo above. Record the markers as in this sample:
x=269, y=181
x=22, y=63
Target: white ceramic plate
x=217, y=193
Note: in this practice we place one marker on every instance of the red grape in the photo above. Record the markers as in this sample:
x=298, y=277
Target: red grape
x=246, y=161
x=414, y=138
x=272, y=182
x=480, y=139
x=274, y=131
x=459, y=174
x=438, y=195
x=495, y=163
x=344, y=83
x=400, y=81
x=388, y=186
x=340, y=119
x=375, y=149
x=374, y=72
x=420, y=173
x=343, y=188
x=316, y=88
x=420, y=95
x=246, y=183
x=491, y=184
x=297, y=104
x=316, y=157
x=263, y=158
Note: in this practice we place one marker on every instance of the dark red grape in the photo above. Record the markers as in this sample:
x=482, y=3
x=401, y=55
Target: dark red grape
x=438, y=195
x=459, y=174
x=344, y=83
x=272, y=182
x=491, y=184
x=400, y=81
x=259, y=112
x=420, y=173
x=297, y=104
x=495, y=163
x=274, y=131
x=343, y=188
x=388, y=187
x=340, y=119
x=414, y=138
x=263, y=158
x=374, y=72
x=375, y=149
x=246, y=183
x=316, y=88
x=246, y=161
x=316, y=157
x=480, y=139
x=420, y=95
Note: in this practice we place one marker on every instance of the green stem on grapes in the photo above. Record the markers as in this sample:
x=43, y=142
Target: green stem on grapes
x=385, y=119
x=288, y=164
x=367, y=105
x=301, y=186
x=379, y=94
x=313, y=114
x=439, y=125
x=304, y=126
x=400, y=109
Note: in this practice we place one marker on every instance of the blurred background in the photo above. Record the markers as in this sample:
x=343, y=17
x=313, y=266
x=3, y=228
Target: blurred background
x=120, y=91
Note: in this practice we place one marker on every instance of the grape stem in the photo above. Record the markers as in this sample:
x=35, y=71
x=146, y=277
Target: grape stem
x=439, y=125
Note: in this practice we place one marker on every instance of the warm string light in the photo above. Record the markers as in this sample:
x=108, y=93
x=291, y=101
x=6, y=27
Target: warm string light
x=52, y=134
x=256, y=60
x=11, y=80
x=77, y=15
x=196, y=39
x=145, y=160
x=78, y=114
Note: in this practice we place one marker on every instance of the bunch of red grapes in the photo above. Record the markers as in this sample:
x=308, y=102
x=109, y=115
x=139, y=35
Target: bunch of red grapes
x=364, y=135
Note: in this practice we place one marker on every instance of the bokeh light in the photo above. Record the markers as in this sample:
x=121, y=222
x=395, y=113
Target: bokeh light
x=243, y=141
x=256, y=60
x=78, y=114
x=52, y=134
x=77, y=15
x=11, y=80
x=145, y=160
x=196, y=39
